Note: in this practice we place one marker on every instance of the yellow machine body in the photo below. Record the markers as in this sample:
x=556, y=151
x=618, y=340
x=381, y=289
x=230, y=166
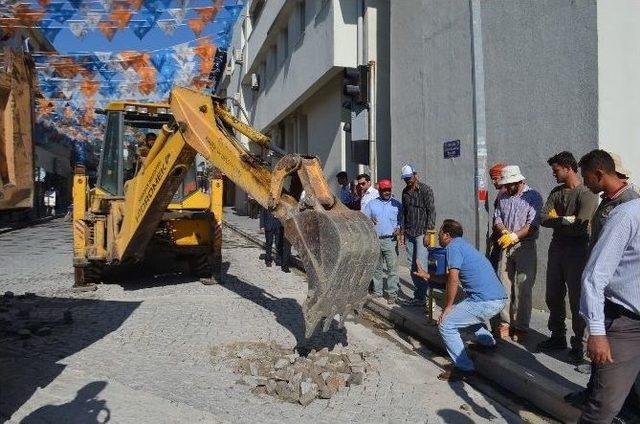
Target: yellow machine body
x=147, y=204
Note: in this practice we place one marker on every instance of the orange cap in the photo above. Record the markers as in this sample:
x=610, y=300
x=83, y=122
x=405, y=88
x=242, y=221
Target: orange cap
x=496, y=170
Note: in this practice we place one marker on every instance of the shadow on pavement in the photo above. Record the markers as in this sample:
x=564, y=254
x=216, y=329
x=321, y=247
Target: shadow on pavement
x=83, y=408
x=37, y=332
x=288, y=313
x=453, y=416
x=459, y=389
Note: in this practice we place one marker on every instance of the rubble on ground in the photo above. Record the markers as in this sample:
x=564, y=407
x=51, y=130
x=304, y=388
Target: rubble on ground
x=280, y=372
x=21, y=317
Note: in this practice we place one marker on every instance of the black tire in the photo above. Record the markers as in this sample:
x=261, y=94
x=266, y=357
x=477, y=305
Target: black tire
x=87, y=275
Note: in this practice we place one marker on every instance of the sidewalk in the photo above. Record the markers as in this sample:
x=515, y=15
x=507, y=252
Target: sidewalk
x=541, y=378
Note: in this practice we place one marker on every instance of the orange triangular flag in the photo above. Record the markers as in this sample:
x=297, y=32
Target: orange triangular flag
x=147, y=80
x=121, y=17
x=196, y=25
x=27, y=16
x=89, y=88
x=135, y=4
x=205, y=66
x=206, y=13
x=205, y=51
x=108, y=29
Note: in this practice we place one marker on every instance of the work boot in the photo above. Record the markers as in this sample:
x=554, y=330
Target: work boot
x=414, y=302
x=555, y=342
x=455, y=374
x=483, y=348
x=285, y=268
x=518, y=336
x=578, y=398
x=269, y=264
x=576, y=355
x=391, y=300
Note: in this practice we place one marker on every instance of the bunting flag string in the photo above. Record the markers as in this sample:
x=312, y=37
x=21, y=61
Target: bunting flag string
x=111, y=16
x=74, y=84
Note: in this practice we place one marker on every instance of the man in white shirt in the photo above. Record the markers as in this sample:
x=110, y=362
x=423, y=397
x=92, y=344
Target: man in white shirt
x=366, y=190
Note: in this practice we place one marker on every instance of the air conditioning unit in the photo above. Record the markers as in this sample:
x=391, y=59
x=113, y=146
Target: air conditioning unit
x=255, y=82
x=237, y=56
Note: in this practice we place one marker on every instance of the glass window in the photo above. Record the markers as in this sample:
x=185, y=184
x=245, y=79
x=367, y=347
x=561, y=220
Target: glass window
x=108, y=173
x=188, y=185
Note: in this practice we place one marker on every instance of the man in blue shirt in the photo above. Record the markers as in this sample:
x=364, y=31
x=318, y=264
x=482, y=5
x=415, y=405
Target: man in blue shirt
x=485, y=298
x=386, y=212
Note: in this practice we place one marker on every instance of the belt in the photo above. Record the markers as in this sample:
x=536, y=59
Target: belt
x=613, y=310
x=386, y=237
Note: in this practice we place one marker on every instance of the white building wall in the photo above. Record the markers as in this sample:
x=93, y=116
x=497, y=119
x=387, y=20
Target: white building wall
x=619, y=80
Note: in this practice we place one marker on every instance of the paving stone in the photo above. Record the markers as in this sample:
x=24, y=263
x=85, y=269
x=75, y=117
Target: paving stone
x=150, y=342
x=308, y=392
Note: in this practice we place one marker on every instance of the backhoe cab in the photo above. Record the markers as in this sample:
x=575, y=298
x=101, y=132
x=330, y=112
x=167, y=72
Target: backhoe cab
x=188, y=228
x=145, y=201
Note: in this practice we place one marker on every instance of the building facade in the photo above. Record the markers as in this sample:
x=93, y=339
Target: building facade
x=514, y=82
x=285, y=69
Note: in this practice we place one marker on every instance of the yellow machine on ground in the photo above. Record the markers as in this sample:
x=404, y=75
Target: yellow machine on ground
x=140, y=206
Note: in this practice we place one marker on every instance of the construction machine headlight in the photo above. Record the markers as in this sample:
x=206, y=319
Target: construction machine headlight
x=142, y=110
x=161, y=110
x=130, y=108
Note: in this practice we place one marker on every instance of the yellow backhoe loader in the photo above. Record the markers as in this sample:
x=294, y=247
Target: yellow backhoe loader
x=142, y=201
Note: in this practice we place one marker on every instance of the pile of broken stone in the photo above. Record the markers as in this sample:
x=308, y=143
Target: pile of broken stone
x=288, y=376
x=20, y=316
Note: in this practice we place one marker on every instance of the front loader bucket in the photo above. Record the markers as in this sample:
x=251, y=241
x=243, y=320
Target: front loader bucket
x=340, y=250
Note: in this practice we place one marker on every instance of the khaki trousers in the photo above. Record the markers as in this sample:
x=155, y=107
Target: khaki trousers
x=517, y=270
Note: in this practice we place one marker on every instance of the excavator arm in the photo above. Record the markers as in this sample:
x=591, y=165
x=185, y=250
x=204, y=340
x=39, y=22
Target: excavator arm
x=338, y=246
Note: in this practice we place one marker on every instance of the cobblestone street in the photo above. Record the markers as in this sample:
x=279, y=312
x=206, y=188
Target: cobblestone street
x=143, y=351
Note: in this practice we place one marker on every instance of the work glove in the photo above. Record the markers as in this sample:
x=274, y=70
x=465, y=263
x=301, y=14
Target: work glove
x=568, y=220
x=553, y=214
x=507, y=240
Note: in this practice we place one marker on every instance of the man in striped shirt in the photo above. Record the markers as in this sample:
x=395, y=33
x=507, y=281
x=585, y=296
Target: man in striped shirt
x=517, y=219
x=610, y=305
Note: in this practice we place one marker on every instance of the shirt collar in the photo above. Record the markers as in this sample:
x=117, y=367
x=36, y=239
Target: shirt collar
x=617, y=193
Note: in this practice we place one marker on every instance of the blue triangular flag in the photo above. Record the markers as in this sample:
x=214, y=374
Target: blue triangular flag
x=75, y=3
x=63, y=15
x=140, y=28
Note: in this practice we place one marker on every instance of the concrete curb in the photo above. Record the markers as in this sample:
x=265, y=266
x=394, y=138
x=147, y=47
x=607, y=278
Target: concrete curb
x=542, y=392
x=21, y=225
x=545, y=394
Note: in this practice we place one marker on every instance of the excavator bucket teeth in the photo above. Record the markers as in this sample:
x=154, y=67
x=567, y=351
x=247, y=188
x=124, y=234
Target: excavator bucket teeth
x=339, y=250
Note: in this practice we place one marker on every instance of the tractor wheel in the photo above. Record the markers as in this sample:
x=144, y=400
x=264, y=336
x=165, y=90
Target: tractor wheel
x=86, y=277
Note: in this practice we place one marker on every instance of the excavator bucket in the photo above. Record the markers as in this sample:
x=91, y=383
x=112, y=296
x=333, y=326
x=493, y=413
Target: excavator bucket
x=338, y=246
x=340, y=251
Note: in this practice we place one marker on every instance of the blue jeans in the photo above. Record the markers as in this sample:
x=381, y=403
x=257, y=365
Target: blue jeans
x=472, y=314
x=415, y=249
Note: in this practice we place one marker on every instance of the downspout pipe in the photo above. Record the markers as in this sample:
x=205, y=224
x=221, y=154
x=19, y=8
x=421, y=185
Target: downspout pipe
x=480, y=127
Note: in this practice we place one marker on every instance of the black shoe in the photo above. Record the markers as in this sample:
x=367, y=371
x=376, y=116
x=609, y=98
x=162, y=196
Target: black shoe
x=553, y=343
x=577, y=399
x=455, y=374
x=483, y=348
x=285, y=268
x=269, y=264
x=576, y=355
